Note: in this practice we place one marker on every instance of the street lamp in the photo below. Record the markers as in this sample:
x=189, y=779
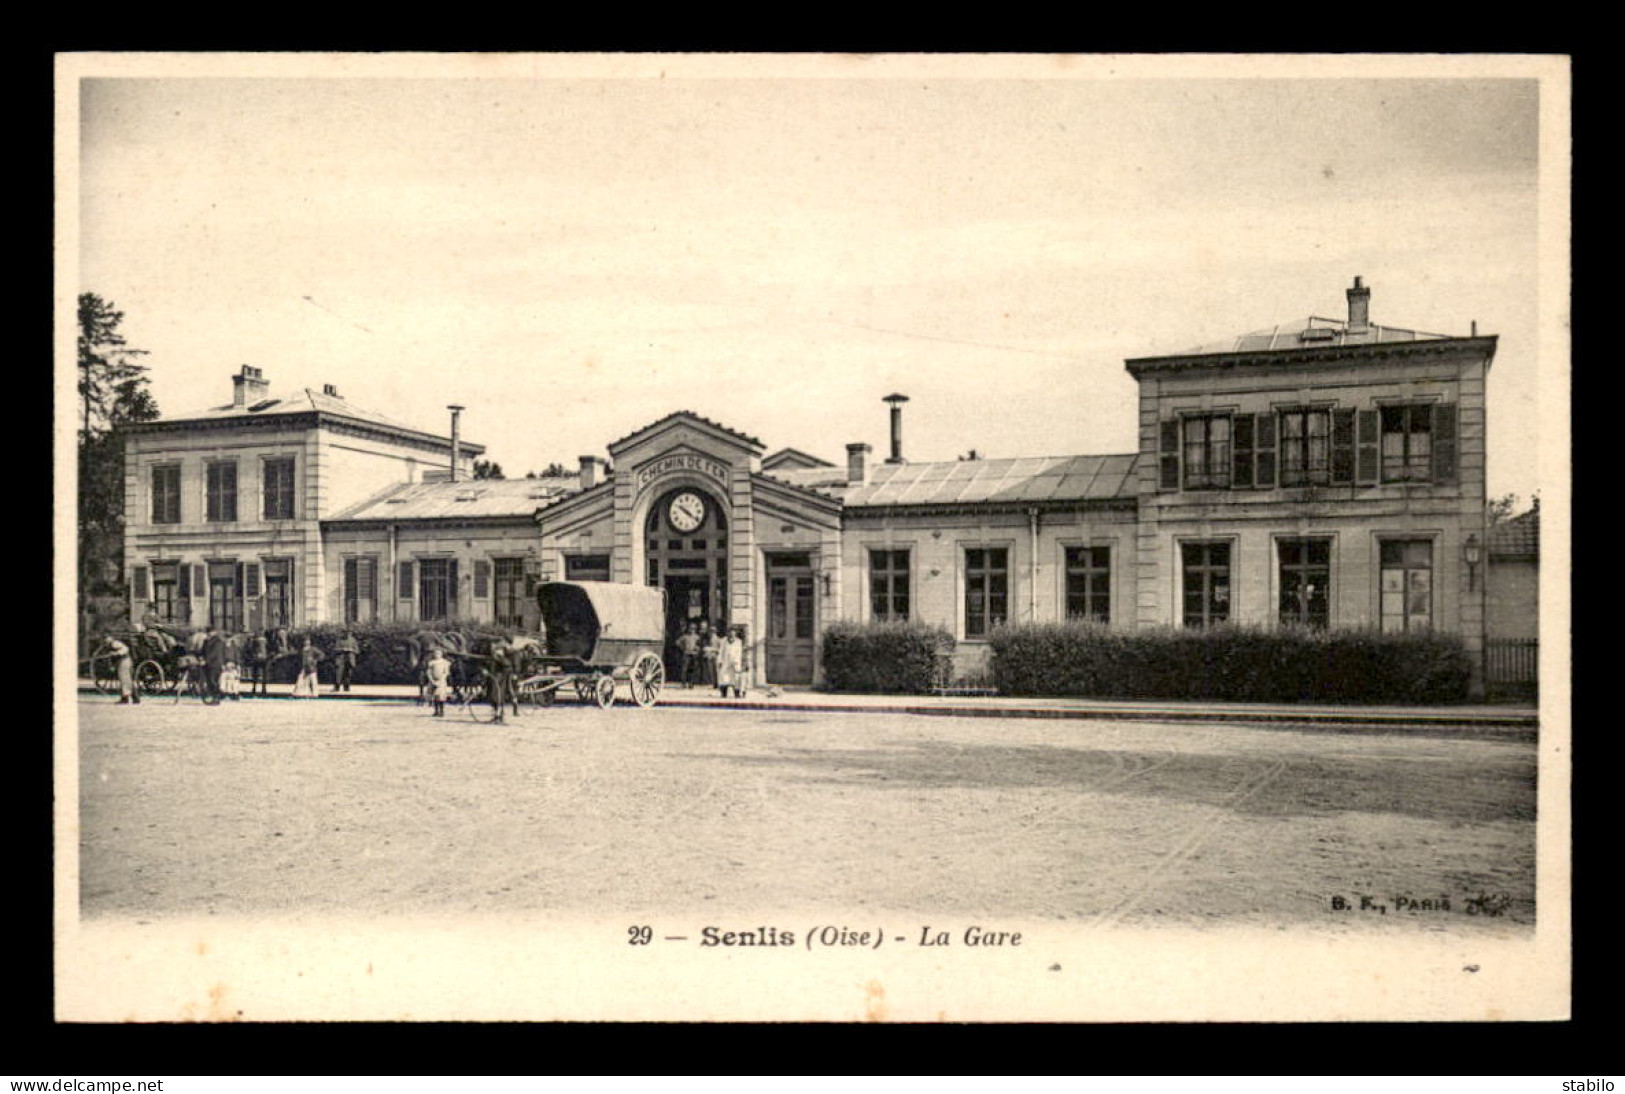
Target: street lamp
x=1471, y=551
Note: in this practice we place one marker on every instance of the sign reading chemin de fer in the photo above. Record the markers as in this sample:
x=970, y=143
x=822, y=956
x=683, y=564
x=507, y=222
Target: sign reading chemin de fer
x=667, y=465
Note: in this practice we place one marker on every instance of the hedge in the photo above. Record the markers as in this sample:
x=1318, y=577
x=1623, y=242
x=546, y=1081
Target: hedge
x=906, y=658
x=1230, y=663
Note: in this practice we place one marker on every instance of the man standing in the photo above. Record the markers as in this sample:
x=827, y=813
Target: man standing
x=258, y=657
x=344, y=659
x=214, y=662
x=688, y=652
x=501, y=681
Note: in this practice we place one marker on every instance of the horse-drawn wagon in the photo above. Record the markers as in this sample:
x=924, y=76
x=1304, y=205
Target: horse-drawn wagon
x=597, y=636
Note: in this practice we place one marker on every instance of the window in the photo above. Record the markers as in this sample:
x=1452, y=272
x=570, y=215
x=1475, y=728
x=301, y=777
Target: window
x=278, y=474
x=586, y=567
x=1305, y=453
x=1407, y=584
x=1207, y=583
x=1306, y=578
x=888, y=585
x=278, y=592
x=166, y=495
x=360, y=590
x=225, y=597
x=987, y=589
x=221, y=504
x=1207, y=452
x=510, y=591
x=1088, y=584
x=169, y=593
x=1407, y=450
x=437, y=588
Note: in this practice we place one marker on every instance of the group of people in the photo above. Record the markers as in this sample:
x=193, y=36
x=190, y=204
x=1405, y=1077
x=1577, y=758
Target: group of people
x=713, y=658
x=212, y=661
x=499, y=668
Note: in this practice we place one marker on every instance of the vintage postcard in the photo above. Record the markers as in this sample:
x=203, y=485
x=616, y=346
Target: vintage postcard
x=908, y=538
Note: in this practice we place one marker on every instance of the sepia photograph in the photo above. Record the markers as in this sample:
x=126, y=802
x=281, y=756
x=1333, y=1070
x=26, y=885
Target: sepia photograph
x=893, y=538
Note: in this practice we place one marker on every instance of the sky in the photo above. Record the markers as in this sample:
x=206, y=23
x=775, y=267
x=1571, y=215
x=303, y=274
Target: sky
x=572, y=258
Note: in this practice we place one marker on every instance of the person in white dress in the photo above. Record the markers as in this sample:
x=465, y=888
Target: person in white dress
x=731, y=664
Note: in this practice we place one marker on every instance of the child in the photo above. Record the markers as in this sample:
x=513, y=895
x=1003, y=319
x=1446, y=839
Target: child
x=309, y=658
x=438, y=675
x=688, y=649
x=230, y=682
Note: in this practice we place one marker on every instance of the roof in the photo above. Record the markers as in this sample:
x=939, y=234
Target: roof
x=1023, y=480
x=689, y=414
x=1322, y=333
x=808, y=478
x=792, y=458
x=306, y=401
x=1517, y=537
x=479, y=498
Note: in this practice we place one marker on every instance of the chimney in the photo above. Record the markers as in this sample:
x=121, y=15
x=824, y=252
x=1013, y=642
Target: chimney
x=248, y=387
x=456, y=440
x=857, y=462
x=1359, y=308
x=589, y=472
x=331, y=389
x=896, y=402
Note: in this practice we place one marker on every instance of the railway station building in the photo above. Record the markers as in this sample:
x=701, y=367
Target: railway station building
x=1320, y=472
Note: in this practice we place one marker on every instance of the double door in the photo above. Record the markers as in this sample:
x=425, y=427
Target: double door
x=792, y=620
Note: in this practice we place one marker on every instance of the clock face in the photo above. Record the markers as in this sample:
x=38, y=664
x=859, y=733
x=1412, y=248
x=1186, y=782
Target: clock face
x=687, y=512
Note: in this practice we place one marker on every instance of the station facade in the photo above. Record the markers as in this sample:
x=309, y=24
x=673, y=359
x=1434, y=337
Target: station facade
x=1321, y=473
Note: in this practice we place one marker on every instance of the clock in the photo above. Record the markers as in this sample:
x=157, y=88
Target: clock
x=687, y=511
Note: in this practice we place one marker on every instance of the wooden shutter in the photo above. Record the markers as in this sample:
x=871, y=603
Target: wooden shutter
x=1264, y=451
x=138, y=583
x=482, y=578
x=1169, y=479
x=1342, y=446
x=1367, y=440
x=1444, y=442
x=251, y=579
x=1241, y=440
x=451, y=588
x=200, y=580
x=404, y=584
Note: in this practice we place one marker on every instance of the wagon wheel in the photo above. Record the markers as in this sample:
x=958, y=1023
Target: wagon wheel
x=104, y=672
x=647, y=675
x=603, y=691
x=149, y=677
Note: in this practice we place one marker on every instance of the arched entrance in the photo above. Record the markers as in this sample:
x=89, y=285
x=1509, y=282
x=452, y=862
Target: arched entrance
x=686, y=554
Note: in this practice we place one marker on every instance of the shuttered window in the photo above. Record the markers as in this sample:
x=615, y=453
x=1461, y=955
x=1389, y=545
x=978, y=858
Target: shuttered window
x=360, y=590
x=251, y=579
x=1169, y=447
x=482, y=578
x=1264, y=456
x=138, y=583
x=403, y=581
x=1342, y=446
x=278, y=488
x=166, y=495
x=1445, y=453
x=220, y=504
x=1242, y=465
x=1305, y=450
x=1207, y=452
x=1366, y=438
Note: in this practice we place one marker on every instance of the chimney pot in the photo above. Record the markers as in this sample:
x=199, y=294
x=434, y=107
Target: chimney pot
x=896, y=402
x=589, y=472
x=248, y=386
x=456, y=441
x=857, y=462
x=1359, y=308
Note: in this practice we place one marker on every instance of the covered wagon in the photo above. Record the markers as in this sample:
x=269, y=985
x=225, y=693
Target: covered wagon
x=598, y=635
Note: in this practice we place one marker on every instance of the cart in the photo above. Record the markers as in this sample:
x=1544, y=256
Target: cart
x=598, y=635
x=158, y=668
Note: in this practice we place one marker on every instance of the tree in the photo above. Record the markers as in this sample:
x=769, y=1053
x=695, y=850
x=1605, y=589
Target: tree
x=112, y=393
x=553, y=471
x=487, y=469
x=1499, y=509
